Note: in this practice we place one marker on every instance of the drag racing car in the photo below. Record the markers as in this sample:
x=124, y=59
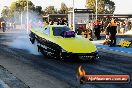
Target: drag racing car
x=60, y=42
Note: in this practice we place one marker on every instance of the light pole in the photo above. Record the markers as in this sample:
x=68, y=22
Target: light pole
x=27, y=16
x=21, y=20
x=73, y=17
x=96, y=10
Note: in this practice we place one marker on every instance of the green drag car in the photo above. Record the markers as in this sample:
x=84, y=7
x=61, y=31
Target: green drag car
x=60, y=42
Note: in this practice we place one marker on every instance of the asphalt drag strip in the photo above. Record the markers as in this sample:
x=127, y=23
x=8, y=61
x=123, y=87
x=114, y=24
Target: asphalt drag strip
x=27, y=73
x=8, y=80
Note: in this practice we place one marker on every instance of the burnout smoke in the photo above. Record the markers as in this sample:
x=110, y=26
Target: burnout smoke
x=21, y=40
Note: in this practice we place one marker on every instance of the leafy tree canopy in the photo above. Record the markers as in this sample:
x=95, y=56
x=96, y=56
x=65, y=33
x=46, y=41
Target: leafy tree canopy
x=63, y=9
x=20, y=6
x=104, y=6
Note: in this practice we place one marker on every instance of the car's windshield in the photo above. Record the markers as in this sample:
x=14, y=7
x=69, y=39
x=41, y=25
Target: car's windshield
x=57, y=31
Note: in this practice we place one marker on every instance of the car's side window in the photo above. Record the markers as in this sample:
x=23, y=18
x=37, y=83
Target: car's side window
x=47, y=30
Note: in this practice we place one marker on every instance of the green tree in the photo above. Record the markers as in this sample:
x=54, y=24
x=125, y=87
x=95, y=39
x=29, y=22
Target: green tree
x=5, y=13
x=63, y=9
x=104, y=6
x=16, y=10
x=109, y=7
x=38, y=9
x=13, y=6
x=50, y=10
x=21, y=5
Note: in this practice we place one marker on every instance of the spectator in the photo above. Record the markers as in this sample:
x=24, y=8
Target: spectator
x=80, y=30
x=107, y=31
x=3, y=26
x=51, y=22
x=122, y=27
x=113, y=32
x=118, y=27
x=129, y=25
x=90, y=34
x=126, y=26
x=97, y=30
x=64, y=21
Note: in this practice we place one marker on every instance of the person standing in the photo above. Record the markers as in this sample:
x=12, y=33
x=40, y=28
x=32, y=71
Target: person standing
x=3, y=26
x=97, y=31
x=129, y=25
x=113, y=32
x=79, y=30
x=107, y=32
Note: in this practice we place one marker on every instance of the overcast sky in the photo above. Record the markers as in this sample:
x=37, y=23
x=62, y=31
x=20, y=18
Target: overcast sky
x=122, y=6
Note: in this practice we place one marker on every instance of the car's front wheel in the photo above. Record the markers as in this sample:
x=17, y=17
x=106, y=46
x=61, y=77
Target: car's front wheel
x=61, y=57
x=32, y=37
